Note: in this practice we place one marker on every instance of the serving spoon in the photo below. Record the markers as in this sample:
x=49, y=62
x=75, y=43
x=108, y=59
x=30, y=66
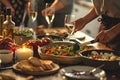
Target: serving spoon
x=78, y=45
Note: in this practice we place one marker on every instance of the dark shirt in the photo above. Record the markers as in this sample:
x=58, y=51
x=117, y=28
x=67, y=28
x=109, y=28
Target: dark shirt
x=59, y=15
x=19, y=6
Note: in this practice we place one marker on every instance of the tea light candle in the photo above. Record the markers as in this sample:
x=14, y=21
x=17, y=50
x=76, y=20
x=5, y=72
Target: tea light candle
x=23, y=53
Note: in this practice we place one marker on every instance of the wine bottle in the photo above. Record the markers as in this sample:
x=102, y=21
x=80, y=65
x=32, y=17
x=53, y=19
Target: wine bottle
x=8, y=25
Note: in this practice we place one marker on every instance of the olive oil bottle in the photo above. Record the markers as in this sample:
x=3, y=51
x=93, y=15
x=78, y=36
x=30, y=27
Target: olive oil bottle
x=8, y=25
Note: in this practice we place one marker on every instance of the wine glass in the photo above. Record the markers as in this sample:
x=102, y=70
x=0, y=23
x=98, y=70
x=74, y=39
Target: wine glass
x=69, y=23
x=33, y=15
x=49, y=16
x=33, y=12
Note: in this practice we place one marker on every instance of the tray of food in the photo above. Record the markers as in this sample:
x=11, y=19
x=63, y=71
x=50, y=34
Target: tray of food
x=51, y=31
x=35, y=66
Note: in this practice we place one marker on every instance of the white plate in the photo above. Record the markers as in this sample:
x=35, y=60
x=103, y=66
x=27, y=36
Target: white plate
x=68, y=72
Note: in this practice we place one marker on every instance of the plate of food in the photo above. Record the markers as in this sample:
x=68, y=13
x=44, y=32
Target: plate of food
x=35, y=66
x=51, y=37
x=99, y=57
x=82, y=73
x=60, y=52
x=6, y=77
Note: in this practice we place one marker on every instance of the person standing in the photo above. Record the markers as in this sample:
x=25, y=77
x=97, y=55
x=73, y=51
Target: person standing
x=109, y=31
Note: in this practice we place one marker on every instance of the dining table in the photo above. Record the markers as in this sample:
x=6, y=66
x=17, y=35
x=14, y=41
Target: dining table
x=82, y=37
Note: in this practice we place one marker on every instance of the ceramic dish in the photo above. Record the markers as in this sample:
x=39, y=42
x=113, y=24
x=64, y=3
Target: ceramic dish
x=60, y=58
x=100, y=57
x=76, y=73
x=6, y=56
x=46, y=72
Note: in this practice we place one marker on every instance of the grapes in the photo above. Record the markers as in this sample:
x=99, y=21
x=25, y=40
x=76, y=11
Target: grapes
x=6, y=43
x=7, y=39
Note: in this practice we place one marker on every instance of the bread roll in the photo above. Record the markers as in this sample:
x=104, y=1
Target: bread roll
x=48, y=64
x=34, y=61
x=24, y=65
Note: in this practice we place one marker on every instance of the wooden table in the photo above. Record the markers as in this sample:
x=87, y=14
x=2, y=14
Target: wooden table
x=111, y=75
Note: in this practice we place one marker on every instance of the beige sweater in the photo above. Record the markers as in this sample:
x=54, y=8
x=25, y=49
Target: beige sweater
x=109, y=7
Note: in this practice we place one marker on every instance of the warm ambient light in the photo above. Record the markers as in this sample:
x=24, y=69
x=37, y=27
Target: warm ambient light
x=23, y=53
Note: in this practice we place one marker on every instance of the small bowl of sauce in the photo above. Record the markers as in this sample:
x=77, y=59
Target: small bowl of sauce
x=6, y=56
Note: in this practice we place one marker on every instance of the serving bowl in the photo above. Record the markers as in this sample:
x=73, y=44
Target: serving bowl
x=110, y=59
x=6, y=56
x=58, y=56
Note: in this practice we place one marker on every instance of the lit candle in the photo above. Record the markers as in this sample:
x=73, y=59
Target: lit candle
x=23, y=53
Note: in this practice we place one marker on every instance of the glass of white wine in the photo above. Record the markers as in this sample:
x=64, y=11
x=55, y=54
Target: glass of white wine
x=33, y=15
x=49, y=16
x=33, y=10
x=69, y=23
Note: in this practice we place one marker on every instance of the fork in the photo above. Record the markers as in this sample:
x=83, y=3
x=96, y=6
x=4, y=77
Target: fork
x=21, y=27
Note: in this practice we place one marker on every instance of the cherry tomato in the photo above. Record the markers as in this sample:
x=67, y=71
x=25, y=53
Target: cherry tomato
x=48, y=52
x=63, y=54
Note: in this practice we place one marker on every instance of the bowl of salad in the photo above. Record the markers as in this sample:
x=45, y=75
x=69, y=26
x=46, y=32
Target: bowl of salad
x=60, y=52
x=22, y=36
x=109, y=58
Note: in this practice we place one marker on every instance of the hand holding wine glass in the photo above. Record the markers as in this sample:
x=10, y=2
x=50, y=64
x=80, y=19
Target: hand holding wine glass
x=33, y=15
x=49, y=14
x=32, y=10
x=69, y=23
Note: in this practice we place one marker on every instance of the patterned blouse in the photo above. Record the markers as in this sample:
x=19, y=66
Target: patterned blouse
x=19, y=7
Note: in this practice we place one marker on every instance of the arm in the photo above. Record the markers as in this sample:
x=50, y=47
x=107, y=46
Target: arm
x=116, y=29
x=56, y=5
x=107, y=35
x=6, y=3
x=80, y=23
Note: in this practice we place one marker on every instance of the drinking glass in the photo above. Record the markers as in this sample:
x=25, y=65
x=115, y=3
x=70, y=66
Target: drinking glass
x=69, y=23
x=49, y=16
x=33, y=12
x=33, y=15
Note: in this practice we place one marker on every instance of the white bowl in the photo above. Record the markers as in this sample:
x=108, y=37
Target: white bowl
x=6, y=56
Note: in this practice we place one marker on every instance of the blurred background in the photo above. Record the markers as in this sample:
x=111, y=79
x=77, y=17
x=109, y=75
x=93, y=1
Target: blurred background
x=82, y=7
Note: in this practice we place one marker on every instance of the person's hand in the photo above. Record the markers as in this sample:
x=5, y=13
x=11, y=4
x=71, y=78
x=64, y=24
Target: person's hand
x=79, y=24
x=49, y=10
x=105, y=36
